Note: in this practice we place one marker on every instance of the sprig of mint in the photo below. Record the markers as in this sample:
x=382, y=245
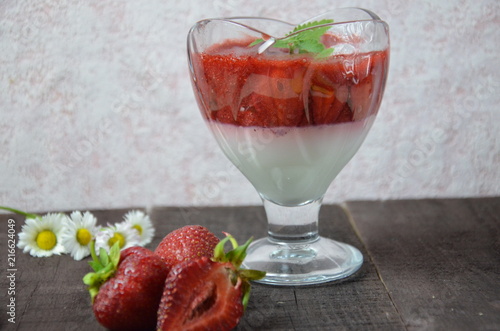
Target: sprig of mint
x=306, y=41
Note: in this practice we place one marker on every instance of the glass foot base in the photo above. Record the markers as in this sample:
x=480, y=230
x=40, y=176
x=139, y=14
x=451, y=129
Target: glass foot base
x=320, y=261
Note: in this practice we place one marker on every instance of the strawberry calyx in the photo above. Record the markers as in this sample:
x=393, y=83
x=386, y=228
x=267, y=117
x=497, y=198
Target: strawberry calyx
x=236, y=257
x=104, y=266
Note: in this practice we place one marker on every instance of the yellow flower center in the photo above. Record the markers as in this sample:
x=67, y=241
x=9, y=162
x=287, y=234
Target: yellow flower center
x=117, y=237
x=46, y=240
x=83, y=236
x=138, y=228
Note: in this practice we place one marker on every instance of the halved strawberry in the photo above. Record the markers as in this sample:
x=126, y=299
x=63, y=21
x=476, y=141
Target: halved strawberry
x=200, y=294
x=206, y=294
x=187, y=243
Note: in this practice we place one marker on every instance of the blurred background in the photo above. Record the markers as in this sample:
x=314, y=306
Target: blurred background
x=97, y=111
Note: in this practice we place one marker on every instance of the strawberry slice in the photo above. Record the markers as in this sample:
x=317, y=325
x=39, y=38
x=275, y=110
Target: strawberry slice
x=361, y=99
x=205, y=294
x=345, y=115
x=270, y=111
x=272, y=96
x=327, y=100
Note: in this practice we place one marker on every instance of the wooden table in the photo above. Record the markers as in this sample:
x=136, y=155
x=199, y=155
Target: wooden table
x=429, y=265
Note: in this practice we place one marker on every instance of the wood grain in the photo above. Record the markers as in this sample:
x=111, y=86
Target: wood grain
x=439, y=259
x=429, y=265
x=357, y=303
x=51, y=296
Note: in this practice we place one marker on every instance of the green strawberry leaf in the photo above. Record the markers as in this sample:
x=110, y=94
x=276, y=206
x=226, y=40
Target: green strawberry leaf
x=96, y=266
x=245, y=289
x=104, y=267
x=252, y=274
x=114, y=255
x=103, y=257
x=237, y=255
x=246, y=275
x=219, y=253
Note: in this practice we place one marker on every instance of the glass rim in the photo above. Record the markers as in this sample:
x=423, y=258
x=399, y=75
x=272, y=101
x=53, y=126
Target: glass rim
x=236, y=21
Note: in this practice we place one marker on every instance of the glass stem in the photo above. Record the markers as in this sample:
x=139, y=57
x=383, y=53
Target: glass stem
x=293, y=225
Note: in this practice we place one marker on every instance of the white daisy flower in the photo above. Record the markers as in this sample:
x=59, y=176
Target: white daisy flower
x=79, y=231
x=142, y=224
x=41, y=237
x=121, y=233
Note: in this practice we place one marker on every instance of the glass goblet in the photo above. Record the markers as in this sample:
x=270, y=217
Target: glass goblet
x=290, y=106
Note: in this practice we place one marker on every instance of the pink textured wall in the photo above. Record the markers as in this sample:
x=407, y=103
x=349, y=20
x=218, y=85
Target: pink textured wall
x=96, y=108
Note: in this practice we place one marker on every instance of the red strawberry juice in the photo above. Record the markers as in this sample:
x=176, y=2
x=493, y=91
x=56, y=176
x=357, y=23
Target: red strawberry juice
x=290, y=123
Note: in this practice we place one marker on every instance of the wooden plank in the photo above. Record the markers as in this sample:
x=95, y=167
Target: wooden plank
x=440, y=259
x=358, y=303
x=49, y=292
x=51, y=296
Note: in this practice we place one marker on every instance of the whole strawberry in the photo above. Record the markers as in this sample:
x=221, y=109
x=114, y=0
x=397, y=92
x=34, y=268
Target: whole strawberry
x=207, y=294
x=187, y=243
x=126, y=288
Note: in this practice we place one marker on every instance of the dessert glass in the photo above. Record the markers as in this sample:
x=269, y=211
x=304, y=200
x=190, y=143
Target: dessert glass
x=290, y=116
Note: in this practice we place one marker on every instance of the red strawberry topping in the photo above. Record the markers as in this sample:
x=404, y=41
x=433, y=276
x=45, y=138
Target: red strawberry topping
x=238, y=87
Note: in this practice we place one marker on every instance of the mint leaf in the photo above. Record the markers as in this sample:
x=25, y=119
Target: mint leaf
x=325, y=53
x=256, y=42
x=312, y=33
x=304, y=38
x=310, y=46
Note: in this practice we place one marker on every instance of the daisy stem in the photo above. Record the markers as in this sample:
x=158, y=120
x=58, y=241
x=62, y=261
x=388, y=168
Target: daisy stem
x=27, y=215
x=92, y=251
